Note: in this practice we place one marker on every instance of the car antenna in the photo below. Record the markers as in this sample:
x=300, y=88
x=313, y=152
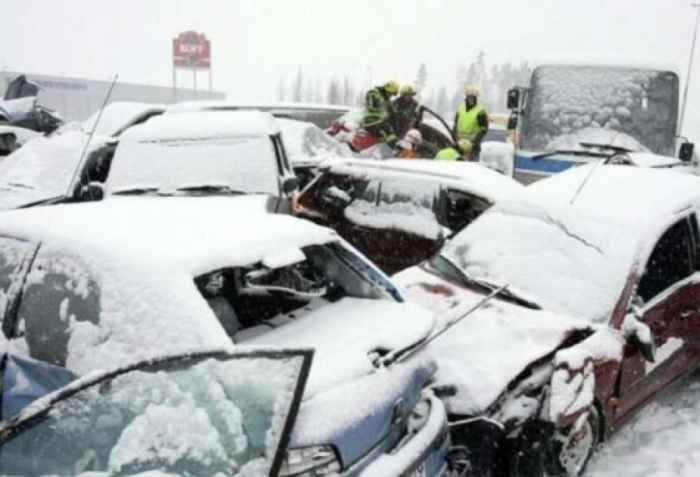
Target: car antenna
x=406, y=354
x=92, y=133
x=585, y=180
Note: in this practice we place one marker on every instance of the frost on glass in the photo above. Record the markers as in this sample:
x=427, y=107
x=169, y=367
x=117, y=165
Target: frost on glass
x=12, y=253
x=628, y=107
x=213, y=418
x=406, y=205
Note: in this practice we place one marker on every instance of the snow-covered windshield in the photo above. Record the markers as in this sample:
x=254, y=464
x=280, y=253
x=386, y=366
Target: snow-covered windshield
x=242, y=164
x=217, y=416
x=628, y=107
x=563, y=262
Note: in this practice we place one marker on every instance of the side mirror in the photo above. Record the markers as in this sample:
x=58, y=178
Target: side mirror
x=513, y=122
x=91, y=192
x=686, y=152
x=514, y=98
x=290, y=185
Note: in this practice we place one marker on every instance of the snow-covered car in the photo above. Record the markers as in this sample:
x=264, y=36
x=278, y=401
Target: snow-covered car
x=593, y=310
x=399, y=212
x=19, y=107
x=13, y=137
x=574, y=114
x=115, y=118
x=321, y=115
x=93, y=286
x=201, y=413
x=204, y=153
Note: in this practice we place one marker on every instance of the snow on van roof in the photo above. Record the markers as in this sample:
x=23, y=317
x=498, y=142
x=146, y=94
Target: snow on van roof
x=467, y=176
x=608, y=61
x=190, y=106
x=203, y=125
x=119, y=115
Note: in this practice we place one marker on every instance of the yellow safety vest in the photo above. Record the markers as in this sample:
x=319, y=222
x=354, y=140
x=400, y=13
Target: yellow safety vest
x=468, y=122
x=448, y=154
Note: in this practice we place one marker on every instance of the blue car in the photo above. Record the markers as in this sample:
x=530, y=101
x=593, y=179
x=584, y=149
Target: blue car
x=99, y=286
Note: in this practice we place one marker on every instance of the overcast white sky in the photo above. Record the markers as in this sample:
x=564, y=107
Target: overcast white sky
x=254, y=41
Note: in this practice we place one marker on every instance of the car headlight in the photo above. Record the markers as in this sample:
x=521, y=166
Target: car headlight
x=310, y=462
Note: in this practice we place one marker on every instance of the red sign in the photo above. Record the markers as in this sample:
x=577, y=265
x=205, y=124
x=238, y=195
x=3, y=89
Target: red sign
x=191, y=50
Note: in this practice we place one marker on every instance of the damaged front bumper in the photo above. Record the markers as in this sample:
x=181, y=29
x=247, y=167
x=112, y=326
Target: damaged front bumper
x=422, y=453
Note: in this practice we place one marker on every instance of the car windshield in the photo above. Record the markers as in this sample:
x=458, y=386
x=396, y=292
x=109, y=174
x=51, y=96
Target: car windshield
x=251, y=300
x=496, y=135
x=217, y=415
x=568, y=265
x=628, y=107
x=246, y=164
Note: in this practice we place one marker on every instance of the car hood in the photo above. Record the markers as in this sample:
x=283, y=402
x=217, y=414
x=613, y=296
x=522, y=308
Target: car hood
x=350, y=403
x=487, y=350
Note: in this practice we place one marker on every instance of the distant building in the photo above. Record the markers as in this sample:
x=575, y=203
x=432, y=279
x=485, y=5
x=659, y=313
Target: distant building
x=77, y=98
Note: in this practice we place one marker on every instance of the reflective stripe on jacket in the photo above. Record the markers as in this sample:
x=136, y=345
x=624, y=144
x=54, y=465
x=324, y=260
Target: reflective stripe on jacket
x=376, y=109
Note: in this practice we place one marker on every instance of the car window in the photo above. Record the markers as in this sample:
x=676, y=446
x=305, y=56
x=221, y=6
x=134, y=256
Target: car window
x=407, y=205
x=333, y=191
x=462, y=208
x=14, y=255
x=59, y=298
x=247, y=297
x=669, y=263
x=212, y=414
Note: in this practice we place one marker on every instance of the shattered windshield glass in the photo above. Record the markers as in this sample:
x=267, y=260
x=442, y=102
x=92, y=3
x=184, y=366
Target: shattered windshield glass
x=627, y=107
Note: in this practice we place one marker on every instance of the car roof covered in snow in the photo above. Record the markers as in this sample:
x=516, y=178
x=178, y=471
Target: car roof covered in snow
x=120, y=115
x=467, y=176
x=190, y=106
x=204, y=125
x=195, y=235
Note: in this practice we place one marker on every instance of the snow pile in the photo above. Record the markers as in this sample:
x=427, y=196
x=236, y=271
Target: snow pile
x=245, y=165
x=17, y=109
x=565, y=100
x=42, y=169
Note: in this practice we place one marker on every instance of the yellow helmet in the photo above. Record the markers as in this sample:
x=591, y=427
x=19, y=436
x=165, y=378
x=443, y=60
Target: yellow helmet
x=391, y=87
x=471, y=91
x=407, y=89
x=465, y=145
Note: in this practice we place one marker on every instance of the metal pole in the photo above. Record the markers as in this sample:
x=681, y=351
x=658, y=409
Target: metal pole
x=690, y=69
x=174, y=83
x=194, y=75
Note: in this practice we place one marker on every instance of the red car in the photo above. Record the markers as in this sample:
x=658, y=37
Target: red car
x=569, y=306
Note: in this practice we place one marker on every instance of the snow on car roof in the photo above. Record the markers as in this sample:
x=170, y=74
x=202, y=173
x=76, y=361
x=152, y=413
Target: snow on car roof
x=22, y=134
x=193, y=234
x=119, y=115
x=204, y=125
x=138, y=258
x=468, y=176
x=190, y=106
x=307, y=144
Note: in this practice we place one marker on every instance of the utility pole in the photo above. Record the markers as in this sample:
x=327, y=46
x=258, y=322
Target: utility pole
x=690, y=68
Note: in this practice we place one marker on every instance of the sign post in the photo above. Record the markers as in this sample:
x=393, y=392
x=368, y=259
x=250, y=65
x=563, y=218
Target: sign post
x=191, y=51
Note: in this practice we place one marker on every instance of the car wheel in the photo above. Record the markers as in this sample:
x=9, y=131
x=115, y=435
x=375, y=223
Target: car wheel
x=571, y=449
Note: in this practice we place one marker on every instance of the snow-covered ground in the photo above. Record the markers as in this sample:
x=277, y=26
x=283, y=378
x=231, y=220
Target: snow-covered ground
x=662, y=441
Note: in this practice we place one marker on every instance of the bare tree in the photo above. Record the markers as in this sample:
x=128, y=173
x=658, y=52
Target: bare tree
x=298, y=89
x=421, y=78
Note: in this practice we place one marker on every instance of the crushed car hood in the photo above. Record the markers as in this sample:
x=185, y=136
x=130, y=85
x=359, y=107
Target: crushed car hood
x=487, y=350
x=350, y=403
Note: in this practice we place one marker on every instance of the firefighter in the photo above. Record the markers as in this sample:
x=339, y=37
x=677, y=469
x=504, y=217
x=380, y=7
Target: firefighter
x=471, y=122
x=461, y=152
x=408, y=113
x=377, y=118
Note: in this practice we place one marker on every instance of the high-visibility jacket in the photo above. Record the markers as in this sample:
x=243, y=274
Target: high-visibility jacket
x=468, y=122
x=376, y=107
x=448, y=154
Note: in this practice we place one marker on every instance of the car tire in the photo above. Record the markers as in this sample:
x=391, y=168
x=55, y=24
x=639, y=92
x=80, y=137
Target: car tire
x=569, y=454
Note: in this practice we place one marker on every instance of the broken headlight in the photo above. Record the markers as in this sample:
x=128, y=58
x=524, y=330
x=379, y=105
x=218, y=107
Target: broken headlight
x=310, y=462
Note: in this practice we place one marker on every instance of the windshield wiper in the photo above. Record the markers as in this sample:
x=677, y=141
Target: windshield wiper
x=606, y=147
x=571, y=152
x=20, y=185
x=135, y=191
x=211, y=188
x=452, y=271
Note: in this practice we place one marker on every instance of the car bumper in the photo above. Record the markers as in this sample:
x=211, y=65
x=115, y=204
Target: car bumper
x=423, y=455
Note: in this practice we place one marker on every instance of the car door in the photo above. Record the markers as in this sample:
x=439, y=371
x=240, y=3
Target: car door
x=668, y=303
x=202, y=413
